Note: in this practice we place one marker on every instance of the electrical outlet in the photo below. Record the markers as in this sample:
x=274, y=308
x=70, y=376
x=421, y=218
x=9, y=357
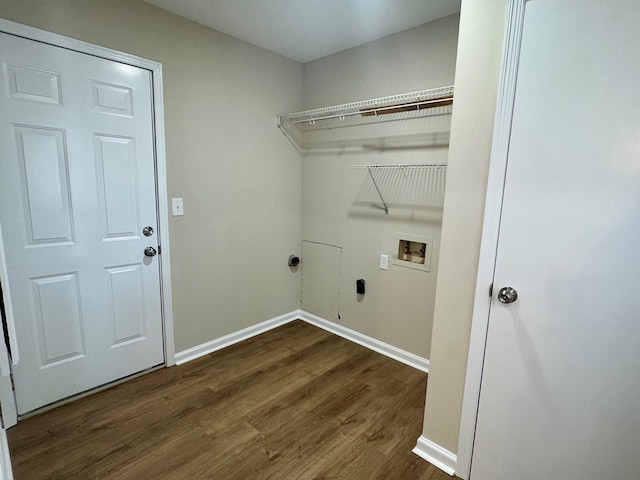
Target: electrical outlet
x=384, y=262
x=177, y=207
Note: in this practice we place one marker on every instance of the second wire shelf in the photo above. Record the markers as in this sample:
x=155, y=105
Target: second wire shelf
x=409, y=166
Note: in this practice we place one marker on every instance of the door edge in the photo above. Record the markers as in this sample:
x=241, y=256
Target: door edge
x=490, y=233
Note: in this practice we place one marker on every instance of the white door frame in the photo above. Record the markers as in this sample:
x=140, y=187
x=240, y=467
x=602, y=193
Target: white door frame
x=7, y=399
x=6, y=470
x=490, y=233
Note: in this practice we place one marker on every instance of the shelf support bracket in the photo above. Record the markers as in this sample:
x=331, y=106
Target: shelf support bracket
x=375, y=184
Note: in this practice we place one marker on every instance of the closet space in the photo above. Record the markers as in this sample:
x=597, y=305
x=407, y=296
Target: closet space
x=373, y=178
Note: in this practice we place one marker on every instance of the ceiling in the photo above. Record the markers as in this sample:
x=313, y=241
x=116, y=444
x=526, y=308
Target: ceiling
x=304, y=30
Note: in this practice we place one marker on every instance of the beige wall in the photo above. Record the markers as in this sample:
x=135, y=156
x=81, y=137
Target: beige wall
x=416, y=59
x=337, y=202
x=238, y=175
x=482, y=27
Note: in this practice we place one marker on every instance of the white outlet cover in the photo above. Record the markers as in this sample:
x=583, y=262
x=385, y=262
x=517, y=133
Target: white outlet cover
x=177, y=207
x=384, y=261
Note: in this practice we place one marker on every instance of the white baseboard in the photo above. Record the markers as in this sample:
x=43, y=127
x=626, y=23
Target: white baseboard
x=436, y=455
x=233, y=338
x=376, y=345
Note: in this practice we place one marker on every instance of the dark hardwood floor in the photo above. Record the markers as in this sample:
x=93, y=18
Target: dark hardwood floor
x=293, y=403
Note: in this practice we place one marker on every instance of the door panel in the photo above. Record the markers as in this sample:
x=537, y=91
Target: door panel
x=59, y=323
x=28, y=83
x=117, y=186
x=560, y=394
x=77, y=186
x=42, y=160
x=127, y=303
x=113, y=99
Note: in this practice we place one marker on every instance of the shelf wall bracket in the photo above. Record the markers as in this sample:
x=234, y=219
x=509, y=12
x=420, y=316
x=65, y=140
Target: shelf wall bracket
x=375, y=184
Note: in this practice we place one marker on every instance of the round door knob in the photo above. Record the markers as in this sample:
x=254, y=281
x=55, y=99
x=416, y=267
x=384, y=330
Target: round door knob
x=507, y=295
x=150, y=252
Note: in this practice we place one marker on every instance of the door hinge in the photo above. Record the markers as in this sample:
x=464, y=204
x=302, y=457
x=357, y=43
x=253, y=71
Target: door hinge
x=491, y=290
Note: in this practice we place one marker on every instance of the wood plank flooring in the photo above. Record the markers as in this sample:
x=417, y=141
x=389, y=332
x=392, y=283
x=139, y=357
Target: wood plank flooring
x=293, y=403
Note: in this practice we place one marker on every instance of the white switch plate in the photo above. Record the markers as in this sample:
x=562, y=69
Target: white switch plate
x=177, y=207
x=384, y=262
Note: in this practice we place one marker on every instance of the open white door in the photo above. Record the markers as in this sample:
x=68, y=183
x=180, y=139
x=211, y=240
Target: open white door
x=77, y=189
x=560, y=395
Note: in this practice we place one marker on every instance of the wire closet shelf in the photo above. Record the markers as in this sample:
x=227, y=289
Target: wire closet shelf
x=401, y=166
x=423, y=103
x=395, y=166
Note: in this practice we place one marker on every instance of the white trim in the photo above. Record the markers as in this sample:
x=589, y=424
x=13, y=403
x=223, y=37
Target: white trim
x=436, y=455
x=31, y=33
x=233, y=338
x=385, y=349
x=390, y=351
x=8, y=405
x=163, y=217
x=6, y=472
x=490, y=233
x=5, y=361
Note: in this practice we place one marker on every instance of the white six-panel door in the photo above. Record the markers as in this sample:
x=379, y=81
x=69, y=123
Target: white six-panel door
x=77, y=187
x=560, y=394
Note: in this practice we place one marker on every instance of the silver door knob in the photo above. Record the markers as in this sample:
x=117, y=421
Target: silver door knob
x=147, y=231
x=507, y=295
x=150, y=252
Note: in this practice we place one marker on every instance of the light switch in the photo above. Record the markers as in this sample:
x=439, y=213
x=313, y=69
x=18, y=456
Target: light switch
x=177, y=207
x=384, y=262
